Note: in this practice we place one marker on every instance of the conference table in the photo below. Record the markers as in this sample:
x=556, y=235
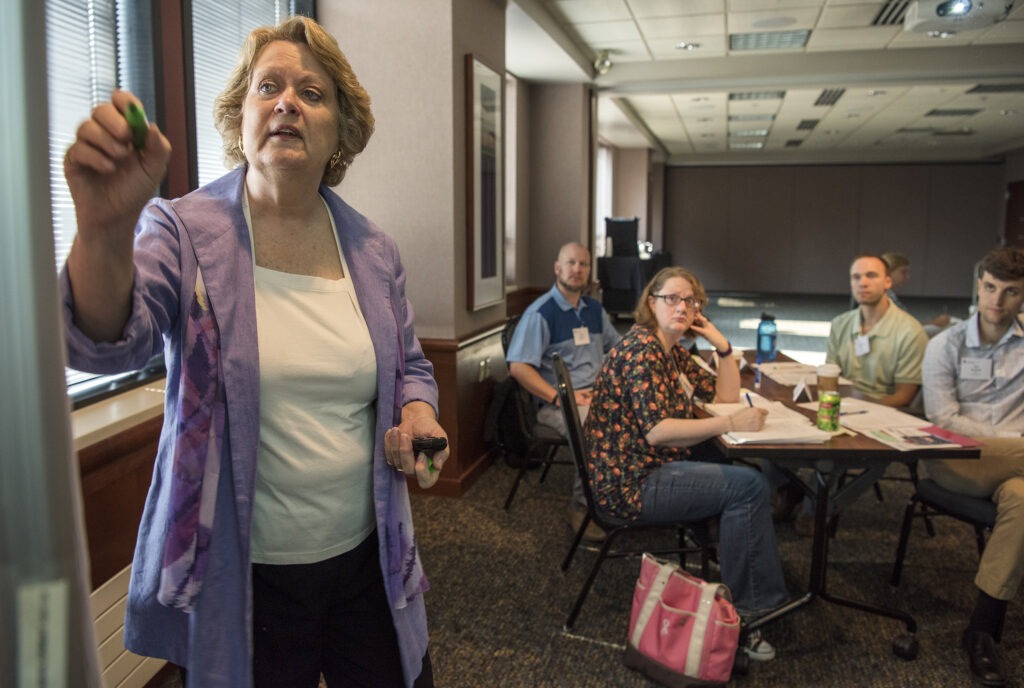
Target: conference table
x=833, y=488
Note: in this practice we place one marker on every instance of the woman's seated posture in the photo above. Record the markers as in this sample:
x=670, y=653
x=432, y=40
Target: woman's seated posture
x=641, y=427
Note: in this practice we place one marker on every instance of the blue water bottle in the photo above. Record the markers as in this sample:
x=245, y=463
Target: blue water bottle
x=766, y=331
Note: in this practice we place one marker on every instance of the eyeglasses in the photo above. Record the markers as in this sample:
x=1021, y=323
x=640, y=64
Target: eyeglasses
x=675, y=299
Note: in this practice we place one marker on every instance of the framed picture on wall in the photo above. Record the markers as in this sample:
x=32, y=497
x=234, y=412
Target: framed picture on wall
x=485, y=212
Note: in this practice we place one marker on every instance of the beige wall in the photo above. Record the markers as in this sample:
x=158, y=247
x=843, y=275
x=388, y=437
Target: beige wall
x=411, y=179
x=559, y=153
x=630, y=195
x=794, y=229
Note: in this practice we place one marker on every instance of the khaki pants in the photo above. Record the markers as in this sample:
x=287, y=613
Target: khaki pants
x=998, y=474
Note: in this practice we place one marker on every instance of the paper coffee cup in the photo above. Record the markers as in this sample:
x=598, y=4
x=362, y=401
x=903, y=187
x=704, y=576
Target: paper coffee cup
x=828, y=377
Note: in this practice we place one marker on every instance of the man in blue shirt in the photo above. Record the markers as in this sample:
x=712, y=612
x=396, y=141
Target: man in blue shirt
x=578, y=329
x=973, y=377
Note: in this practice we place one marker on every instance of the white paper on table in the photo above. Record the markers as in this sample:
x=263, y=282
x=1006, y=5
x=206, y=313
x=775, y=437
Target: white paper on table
x=863, y=415
x=782, y=425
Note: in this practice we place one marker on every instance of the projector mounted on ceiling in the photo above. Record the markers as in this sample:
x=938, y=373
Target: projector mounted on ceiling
x=951, y=16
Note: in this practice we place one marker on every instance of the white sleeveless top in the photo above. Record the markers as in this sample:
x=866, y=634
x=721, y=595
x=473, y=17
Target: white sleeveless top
x=318, y=385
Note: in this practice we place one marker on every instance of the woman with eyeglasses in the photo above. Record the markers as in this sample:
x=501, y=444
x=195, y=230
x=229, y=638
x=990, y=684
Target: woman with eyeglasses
x=641, y=429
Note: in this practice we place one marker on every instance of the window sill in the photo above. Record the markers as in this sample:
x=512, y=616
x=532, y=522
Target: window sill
x=103, y=419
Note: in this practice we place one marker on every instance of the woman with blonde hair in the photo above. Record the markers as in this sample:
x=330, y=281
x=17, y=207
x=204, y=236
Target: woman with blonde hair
x=276, y=543
x=641, y=429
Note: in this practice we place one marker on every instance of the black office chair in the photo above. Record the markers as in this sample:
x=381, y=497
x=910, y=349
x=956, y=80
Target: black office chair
x=614, y=527
x=935, y=500
x=543, y=441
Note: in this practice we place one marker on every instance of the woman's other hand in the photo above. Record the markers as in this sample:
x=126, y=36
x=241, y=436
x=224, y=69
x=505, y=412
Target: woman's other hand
x=110, y=180
x=748, y=419
x=399, y=454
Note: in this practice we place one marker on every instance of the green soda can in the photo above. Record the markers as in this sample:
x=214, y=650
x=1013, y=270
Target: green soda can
x=828, y=411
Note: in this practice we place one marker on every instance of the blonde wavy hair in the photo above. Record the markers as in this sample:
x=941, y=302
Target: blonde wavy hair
x=644, y=314
x=355, y=120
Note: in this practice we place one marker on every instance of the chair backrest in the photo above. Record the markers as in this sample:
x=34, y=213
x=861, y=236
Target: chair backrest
x=574, y=430
x=506, y=334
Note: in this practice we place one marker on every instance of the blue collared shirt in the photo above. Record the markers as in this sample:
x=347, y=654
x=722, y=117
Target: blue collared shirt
x=546, y=327
x=988, y=407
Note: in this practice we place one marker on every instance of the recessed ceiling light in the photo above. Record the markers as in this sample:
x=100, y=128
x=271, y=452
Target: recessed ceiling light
x=687, y=45
x=875, y=92
x=748, y=133
x=746, y=144
x=940, y=34
x=754, y=117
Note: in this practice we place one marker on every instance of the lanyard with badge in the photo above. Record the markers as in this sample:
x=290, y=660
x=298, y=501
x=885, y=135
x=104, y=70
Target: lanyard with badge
x=581, y=334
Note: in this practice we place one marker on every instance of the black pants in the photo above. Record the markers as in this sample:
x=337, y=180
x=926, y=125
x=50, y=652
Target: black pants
x=331, y=617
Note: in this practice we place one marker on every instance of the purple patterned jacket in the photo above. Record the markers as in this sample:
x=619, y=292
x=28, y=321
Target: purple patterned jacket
x=206, y=228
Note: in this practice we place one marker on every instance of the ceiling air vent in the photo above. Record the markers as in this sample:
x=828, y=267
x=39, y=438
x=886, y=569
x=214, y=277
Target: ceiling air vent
x=952, y=112
x=794, y=143
x=891, y=13
x=955, y=132
x=998, y=88
x=757, y=95
x=829, y=96
x=808, y=124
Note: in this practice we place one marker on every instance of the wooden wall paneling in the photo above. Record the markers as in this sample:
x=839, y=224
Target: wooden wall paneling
x=824, y=231
x=760, y=214
x=466, y=373
x=963, y=225
x=115, y=479
x=894, y=210
x=696, y=228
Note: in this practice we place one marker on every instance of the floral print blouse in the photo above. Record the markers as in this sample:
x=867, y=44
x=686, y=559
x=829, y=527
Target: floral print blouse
x=638, y=387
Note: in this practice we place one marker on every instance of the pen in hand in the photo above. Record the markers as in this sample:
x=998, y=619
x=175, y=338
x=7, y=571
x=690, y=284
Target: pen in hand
x=750, y=402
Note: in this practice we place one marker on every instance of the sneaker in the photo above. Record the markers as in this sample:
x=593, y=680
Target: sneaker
x=757, y=648
x=574, y=517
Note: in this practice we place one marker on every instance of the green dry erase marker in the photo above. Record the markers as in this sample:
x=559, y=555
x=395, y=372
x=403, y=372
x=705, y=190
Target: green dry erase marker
x=140, y=125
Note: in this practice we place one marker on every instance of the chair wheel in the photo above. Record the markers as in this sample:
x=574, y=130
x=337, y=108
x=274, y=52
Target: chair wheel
x=906, y=646
x=741, y=665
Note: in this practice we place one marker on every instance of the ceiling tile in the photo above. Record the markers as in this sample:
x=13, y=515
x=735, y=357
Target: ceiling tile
x=847, y=16
x=710, y=46
x=871, y=38
x=576, y=11
x=683, y=27
x=674, y=8
x=601, y=32
x=626, y=51
x=777, y=20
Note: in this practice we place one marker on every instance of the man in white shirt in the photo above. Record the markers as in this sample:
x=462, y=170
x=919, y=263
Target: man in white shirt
x=973, y=377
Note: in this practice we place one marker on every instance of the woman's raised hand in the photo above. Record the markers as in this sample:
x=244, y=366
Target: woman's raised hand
x=110, y=180
x=704, y=327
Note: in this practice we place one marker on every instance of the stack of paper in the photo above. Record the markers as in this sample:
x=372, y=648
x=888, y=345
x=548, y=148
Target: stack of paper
x=895, y=428
x=782, y=425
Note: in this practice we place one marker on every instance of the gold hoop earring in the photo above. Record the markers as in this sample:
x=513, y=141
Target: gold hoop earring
x=241, y=148
x=335, y=159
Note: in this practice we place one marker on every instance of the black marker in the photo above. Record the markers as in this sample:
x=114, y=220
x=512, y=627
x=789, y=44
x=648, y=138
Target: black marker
x=429, y=445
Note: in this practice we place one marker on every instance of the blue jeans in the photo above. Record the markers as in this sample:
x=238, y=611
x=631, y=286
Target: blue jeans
x=740, y=496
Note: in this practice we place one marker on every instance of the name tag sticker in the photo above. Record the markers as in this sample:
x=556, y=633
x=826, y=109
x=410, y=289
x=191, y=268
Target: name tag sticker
x=975, y=368
x=862, y=345
x=580, y=336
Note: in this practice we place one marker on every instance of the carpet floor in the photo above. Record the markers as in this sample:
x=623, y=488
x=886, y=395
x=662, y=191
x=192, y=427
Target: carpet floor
x=498, y=602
